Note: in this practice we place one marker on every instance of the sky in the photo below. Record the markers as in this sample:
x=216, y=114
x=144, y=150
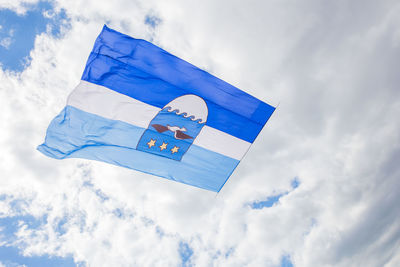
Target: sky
x=319, y=186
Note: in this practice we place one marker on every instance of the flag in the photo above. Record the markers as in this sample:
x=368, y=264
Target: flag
x=140, y=107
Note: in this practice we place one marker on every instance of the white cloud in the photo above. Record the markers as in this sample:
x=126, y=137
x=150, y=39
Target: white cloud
x=6, y=42
x=18, y=6
x=335, y=74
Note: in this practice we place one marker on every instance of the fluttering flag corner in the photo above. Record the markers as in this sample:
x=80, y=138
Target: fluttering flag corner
x=140, y=107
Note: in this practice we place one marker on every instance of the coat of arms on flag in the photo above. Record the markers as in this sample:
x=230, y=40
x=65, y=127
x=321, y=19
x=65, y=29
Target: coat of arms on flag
x=175, y=127
x=140, y=107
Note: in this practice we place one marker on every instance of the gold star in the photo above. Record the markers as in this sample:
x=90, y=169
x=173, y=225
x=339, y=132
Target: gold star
x=151, y=143
x=175, y=149
x=163, y=146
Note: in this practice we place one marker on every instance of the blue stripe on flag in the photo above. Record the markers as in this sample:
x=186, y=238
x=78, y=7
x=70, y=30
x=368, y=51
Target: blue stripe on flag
x=132, y=82
x=78, y=134
x=144, y=71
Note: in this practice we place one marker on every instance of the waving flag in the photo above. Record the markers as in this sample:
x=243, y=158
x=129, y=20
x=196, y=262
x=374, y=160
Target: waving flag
x=139, y=107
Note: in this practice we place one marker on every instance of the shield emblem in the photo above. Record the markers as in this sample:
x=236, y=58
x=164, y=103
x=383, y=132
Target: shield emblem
x=172, y=131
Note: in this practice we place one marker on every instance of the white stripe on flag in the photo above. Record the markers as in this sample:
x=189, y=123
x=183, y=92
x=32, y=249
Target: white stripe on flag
x=112, y=105
x=99, y=100
x=223, y=143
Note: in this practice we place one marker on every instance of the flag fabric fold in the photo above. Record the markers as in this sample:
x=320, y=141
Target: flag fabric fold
x=140, y=107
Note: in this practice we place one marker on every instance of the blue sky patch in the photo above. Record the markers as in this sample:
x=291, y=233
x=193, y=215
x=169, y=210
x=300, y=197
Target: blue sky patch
x=185, y=252
x=61, y=225
x=10, y=225
x=271, y=200
x=286, y=262
x=295, y=183
x=152, y=20
x=12, y=256
x=18, y=32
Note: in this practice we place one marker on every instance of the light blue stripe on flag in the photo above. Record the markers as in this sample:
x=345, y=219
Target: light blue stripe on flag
x=78, y=134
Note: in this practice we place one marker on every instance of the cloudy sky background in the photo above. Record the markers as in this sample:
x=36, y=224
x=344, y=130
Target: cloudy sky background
x=319, y=187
